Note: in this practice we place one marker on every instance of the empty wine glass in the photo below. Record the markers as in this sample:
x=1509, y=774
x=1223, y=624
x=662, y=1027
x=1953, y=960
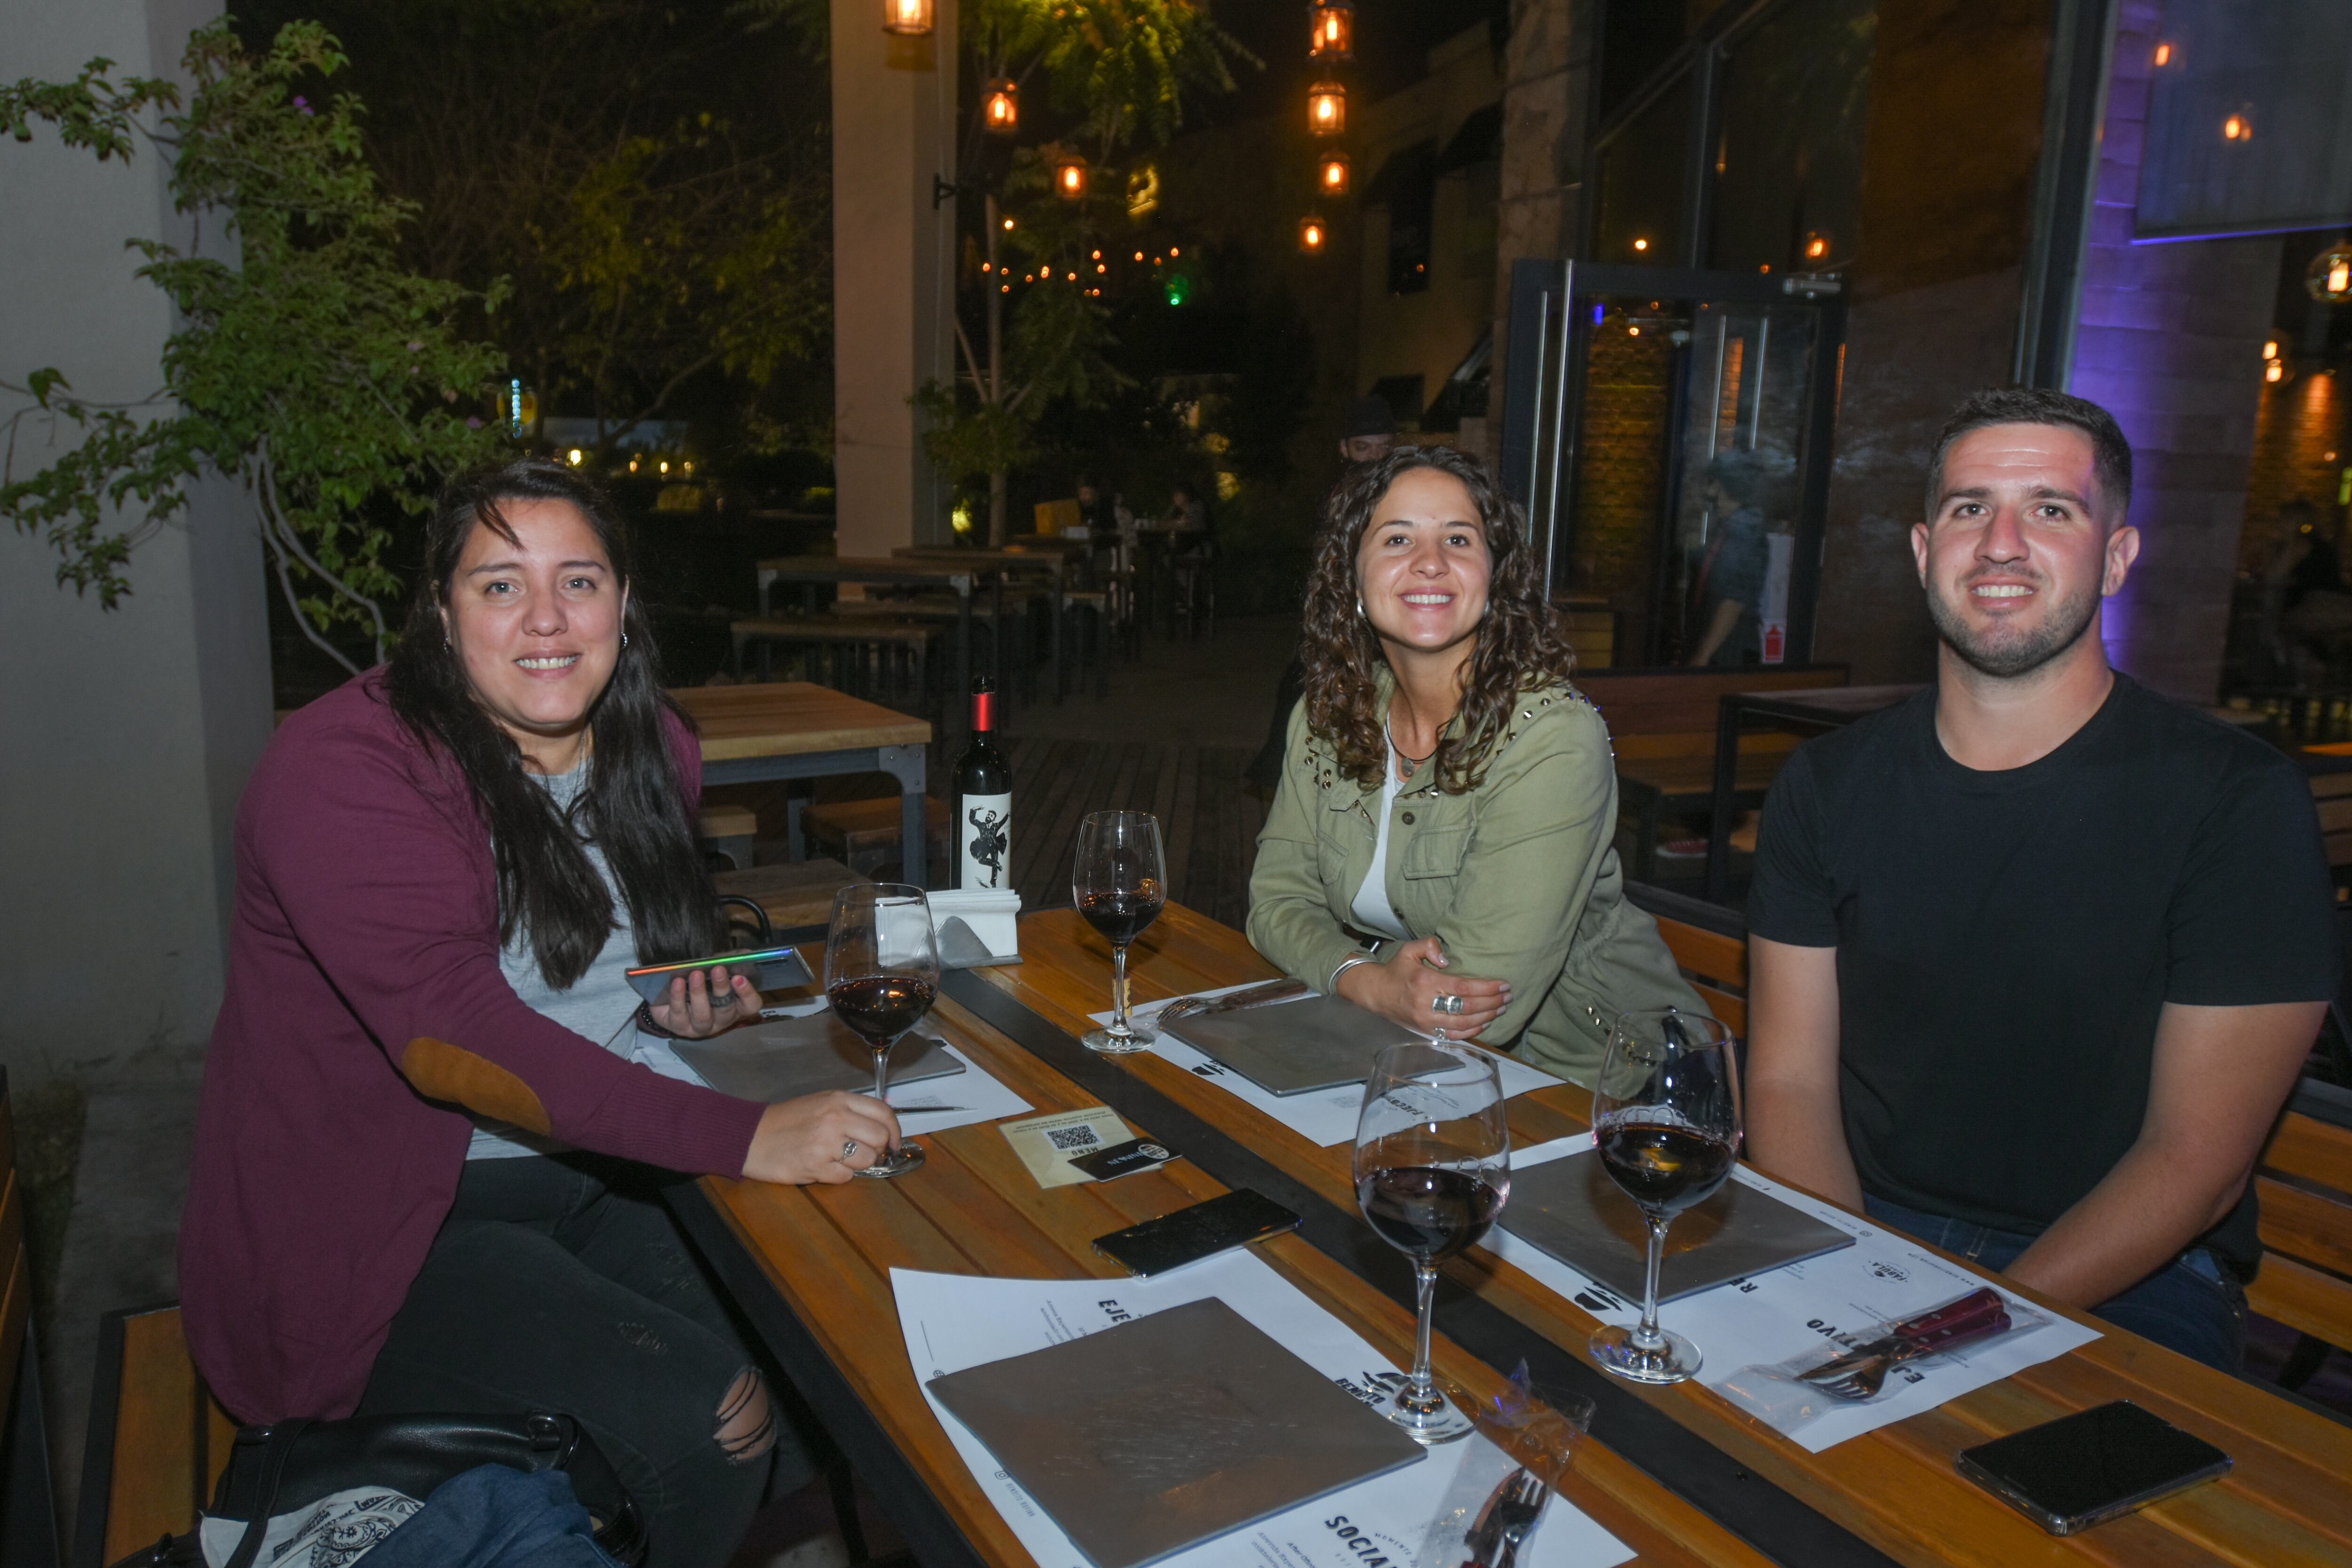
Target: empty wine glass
x=1432, y=1170
x=1665, y=1117
x=1119, y=882
x=881, y=975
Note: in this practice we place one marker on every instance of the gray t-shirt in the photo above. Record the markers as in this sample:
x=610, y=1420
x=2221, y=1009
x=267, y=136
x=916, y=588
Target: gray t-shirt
x=600, y=1006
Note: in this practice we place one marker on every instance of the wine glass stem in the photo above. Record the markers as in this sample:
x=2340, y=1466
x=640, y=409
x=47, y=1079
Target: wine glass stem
x=882, y=1073
x=1118, y=1024
x=1647, y=1337
x=1420, y=1395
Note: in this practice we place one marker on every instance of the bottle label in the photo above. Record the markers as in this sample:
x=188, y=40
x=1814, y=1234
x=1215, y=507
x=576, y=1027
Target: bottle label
x=984, y=841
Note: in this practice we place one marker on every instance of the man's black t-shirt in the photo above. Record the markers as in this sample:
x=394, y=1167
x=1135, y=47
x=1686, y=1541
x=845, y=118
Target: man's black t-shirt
x=2007, y=940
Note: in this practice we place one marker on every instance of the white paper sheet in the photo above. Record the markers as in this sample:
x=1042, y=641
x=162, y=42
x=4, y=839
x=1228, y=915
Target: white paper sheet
x=1789, y=1311
x=972, y=1095
x=1326, y=1116
x=953, y=1320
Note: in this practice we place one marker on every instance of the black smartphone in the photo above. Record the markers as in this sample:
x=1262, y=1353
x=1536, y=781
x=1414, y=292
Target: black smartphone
x=1203, y=1230
x=2079, y=1470
x=772, y=969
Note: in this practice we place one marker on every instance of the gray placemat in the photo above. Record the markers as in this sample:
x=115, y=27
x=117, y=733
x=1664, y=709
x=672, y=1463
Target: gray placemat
x=1159, y=1433
x=1571, y=1209
x=787, y=1058
x=1293, y=1048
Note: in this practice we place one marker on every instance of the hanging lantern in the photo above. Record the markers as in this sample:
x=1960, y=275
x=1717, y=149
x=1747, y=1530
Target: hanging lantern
x=1327, y=108
x=1335, y=31
x=1332, y=174
x=1070, y=177
x=1001, y=111
x=2329, y=276
x=1311, y=234
x=907, y=18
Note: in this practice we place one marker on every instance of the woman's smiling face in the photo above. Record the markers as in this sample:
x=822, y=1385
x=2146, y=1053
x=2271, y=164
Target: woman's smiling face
x=1423, y=565
x=536, y=622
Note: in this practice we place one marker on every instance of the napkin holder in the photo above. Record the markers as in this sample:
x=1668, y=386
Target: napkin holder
x=977, y=927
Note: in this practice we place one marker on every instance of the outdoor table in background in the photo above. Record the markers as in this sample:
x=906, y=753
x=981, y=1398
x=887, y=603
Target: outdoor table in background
x=1891, y=1493
x=794, y=729
x=1051, y=562
x=809, y=1266
x=810, y=572
x=1825, y=707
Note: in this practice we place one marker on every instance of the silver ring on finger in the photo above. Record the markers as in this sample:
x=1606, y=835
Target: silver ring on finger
x=1445, y=1002
x=849, y=1152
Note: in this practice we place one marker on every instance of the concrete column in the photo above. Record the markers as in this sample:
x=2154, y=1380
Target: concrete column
x=2169, y=337
x=129, y=734
x=894, y=122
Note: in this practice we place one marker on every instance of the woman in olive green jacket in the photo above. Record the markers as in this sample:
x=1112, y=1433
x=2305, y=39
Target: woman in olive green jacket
x=1439, y=851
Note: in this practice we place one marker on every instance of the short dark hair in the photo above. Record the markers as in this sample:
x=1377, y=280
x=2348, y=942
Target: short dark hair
x=2111, y=458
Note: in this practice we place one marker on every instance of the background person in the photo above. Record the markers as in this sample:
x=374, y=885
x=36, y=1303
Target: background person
x=1446, y=791
x=440, y=865
x=2037, y=956
x=1730, y=587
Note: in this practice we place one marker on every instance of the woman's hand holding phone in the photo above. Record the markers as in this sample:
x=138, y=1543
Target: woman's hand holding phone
x=1403, y=986
x=703, y=1003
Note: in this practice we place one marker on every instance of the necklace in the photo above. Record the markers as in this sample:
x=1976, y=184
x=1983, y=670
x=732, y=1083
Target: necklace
x=1416, y=762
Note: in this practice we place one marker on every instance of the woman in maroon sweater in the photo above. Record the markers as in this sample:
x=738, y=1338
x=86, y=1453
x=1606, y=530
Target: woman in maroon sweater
x=405, y=863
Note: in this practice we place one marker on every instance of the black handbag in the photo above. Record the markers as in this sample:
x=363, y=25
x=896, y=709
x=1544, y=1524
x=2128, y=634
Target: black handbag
x=285, y=1468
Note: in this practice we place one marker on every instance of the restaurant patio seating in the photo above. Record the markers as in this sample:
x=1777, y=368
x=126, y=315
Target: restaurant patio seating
x=864, y=834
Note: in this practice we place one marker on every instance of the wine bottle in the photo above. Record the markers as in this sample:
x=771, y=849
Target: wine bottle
x=984, y=800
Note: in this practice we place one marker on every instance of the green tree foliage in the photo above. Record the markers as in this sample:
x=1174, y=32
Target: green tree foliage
x=317, y=370
x=654, y=178
x=1120, y=69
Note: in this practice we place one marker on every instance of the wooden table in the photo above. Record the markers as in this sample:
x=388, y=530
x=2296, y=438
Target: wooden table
x=810, y=1267
x=1811, y=711
x=1892, y=1492
x=794, y=730
x=1053, y=563
x=812, y=572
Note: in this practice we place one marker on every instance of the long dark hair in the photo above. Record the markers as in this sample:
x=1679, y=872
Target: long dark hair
x=633, y=806
x=1518, y=647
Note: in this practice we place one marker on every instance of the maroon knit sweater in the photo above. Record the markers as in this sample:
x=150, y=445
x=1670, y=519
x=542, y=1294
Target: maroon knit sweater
x=366, y=920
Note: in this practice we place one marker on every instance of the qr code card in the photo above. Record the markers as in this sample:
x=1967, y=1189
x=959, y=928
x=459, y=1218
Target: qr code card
x=1047, y=1144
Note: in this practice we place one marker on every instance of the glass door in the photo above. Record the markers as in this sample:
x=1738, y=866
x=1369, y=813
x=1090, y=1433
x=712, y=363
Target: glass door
x=1669, y=433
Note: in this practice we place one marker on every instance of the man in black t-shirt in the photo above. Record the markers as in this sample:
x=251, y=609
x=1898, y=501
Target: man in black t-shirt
x=2037, y=954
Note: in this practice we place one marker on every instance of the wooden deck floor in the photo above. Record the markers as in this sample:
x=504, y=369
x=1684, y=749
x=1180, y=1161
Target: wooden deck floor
x=1209, y=822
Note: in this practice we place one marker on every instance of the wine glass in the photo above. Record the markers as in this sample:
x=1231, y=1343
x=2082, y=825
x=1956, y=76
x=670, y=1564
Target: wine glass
x=1119, y=883
x=1433, y=1168
x=881, y=975
x=1665, y=1116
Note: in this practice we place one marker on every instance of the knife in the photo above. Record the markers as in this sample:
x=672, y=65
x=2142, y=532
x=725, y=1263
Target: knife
x=1256, y=996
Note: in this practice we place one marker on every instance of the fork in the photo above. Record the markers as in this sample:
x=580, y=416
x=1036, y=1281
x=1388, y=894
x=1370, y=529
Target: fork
x=1861, y=1373
x=1516, y=1513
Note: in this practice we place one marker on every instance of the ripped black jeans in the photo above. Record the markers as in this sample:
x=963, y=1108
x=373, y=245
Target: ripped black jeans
x=561, y=1283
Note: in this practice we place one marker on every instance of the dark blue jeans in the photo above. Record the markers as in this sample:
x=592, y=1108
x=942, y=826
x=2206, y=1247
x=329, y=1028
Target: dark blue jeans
x=2193, y=1304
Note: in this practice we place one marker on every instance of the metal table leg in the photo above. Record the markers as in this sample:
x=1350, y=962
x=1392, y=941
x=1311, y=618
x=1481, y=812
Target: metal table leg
x=906, y=764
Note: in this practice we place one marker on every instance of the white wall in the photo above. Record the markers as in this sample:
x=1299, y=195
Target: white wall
x=125, y=736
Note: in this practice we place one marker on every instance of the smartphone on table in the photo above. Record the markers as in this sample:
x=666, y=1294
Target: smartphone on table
x=2083, y=1469
x=770, y=969
x=1202, y=1230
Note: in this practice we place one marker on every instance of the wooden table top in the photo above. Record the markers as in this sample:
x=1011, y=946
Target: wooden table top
x=1009, y=556
x=854, y=568
x=2288, y=1500
x=973, y=1208
x=789, y=718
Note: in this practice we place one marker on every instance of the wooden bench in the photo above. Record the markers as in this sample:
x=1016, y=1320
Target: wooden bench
x=731, y=831
x=158, y=1440
x=2329, y=771
x=28, y=1520
x=1662, y=726
x=797, y=896
x=864, y=834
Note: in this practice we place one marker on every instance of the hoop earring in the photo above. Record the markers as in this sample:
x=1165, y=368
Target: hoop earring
x=625, y=639
x=1360, y=606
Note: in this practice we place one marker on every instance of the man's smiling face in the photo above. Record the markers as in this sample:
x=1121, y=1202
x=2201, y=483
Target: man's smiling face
x=2021, y=548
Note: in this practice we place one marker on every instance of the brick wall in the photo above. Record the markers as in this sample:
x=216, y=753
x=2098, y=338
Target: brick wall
x=1619, y=476
x=2169, y=338
x=2303, y=430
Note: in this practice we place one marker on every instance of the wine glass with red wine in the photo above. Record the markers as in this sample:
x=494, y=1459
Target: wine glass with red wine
x=1433, y=1169
x=1665, y=1117
x=881, y=975
x=1119, y=882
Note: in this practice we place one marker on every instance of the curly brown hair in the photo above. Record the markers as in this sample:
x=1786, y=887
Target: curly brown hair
x=1519, y=646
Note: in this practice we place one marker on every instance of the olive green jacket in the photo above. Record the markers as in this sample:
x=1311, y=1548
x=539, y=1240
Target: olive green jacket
x=1518, y=877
